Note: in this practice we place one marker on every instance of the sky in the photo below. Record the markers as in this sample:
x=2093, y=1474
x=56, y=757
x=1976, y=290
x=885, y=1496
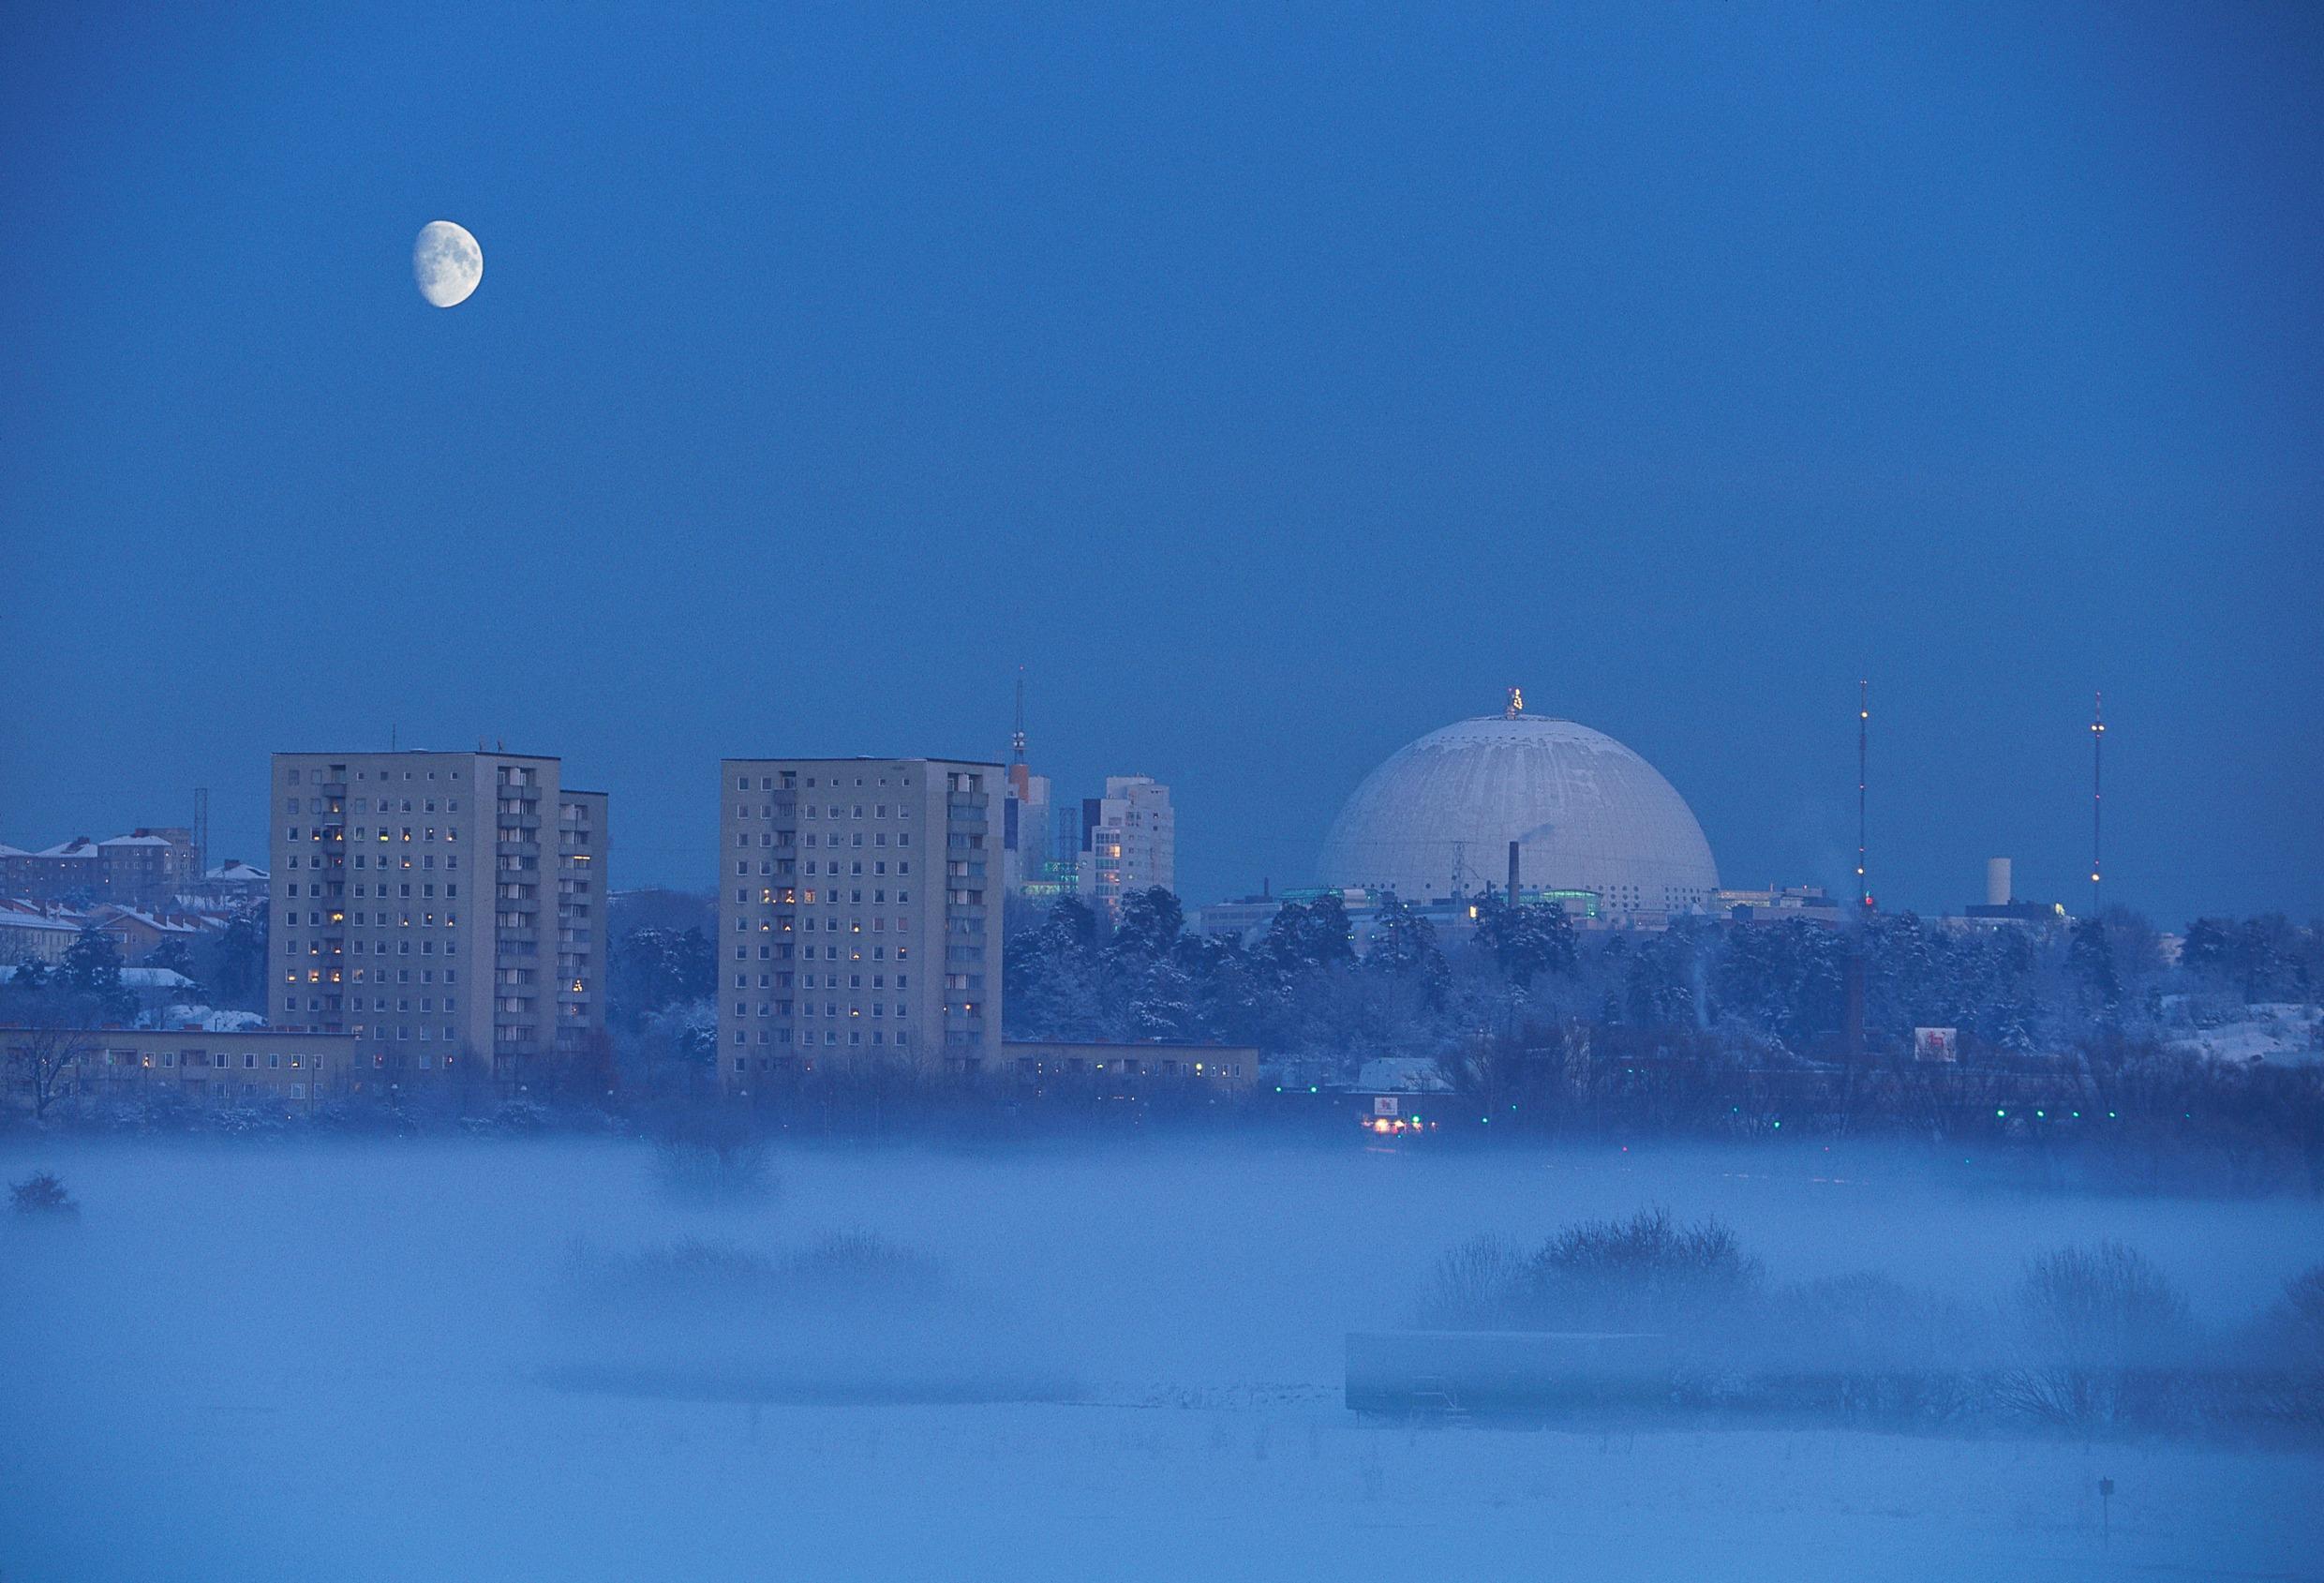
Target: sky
x=1273, y=389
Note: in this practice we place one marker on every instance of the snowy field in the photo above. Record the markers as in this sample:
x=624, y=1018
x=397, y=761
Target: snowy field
x=359, y=1362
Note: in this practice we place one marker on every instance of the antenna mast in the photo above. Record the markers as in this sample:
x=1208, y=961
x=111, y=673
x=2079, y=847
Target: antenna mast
x=2098, y=792
x=1017, y=738
x=1864, y=736
x=202, y=832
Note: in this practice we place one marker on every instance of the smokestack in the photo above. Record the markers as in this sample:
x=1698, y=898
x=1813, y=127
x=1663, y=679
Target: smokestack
x=1996, y=882
x=1512, y=874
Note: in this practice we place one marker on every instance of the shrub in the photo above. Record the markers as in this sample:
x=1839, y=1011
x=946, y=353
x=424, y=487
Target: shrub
x=1647, y=1273
x=862, y=1266
x=2286, y=1385
x=1475, y=1286
x=1869, y=1347
x=2105, y=1338
x=43, y=1193
x=712, y=1156
x=691, y=1271
x=511, y=1118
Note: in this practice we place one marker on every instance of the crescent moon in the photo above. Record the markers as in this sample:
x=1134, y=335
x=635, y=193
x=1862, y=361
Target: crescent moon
x=446, y=263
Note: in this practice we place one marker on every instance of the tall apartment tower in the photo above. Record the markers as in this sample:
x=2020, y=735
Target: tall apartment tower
x=446, y=908
x=860, y=915
x=1129, y=842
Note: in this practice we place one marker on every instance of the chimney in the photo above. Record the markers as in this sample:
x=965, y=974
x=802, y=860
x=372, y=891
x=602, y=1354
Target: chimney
x=1512, y=874
x=1996, y=882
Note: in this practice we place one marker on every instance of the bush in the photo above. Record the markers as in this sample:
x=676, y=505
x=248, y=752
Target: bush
x=1868, y=1346
x=1475, y=1286
x=2105, y=1338
x=511, y=1118
x=43, y=1193
x=2287, y=1378
x=692, y=1273
x=714, y=1158
x=692, y=1276
x=863, y=1266
x=1647, y=1273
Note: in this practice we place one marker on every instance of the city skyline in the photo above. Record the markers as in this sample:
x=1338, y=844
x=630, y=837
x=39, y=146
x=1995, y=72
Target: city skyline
x=1683, y=375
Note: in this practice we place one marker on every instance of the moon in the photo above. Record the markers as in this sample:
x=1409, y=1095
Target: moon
x=446, y=263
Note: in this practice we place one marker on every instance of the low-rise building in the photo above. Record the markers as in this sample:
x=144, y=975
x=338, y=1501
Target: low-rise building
x=290, y=1068
x=232, y=885
x=1222, y=1066
x=1779, y=904
x=33, y=931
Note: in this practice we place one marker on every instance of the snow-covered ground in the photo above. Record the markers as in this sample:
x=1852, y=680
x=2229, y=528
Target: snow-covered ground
x=2288, y=1032
x=342, y=1362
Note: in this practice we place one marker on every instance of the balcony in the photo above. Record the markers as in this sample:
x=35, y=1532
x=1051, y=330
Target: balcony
x=528, y=821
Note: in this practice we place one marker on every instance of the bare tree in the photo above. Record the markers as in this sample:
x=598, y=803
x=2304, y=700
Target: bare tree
x=44, y=1058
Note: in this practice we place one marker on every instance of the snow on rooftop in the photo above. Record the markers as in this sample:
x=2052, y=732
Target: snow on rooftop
x=15, y=915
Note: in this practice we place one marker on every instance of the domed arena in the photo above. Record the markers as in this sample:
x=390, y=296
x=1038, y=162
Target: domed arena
x=1436, y=820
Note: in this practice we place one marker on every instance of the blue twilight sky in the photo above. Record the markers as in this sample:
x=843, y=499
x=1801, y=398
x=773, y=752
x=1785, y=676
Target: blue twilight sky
x=1274, y=388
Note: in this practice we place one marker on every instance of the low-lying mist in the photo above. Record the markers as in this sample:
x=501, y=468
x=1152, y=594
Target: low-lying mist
x=411, y=1351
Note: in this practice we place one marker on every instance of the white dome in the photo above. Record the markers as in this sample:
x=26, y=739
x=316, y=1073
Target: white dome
x=1437, y=818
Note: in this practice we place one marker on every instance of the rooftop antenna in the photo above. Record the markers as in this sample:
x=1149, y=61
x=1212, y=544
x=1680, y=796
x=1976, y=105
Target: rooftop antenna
x=1017, y=738
x=1019, y=777
x=1864, y=743
x=2097, y=790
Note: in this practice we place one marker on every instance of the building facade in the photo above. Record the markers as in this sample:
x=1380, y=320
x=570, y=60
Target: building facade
x=1130, y=843
x=860, y=915
x=146, y=868
x=297, y=1071
x=444, y=909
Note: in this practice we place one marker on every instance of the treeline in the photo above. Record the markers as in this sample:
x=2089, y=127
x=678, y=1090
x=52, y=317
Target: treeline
x=2089, y=1339
x=1301, y=989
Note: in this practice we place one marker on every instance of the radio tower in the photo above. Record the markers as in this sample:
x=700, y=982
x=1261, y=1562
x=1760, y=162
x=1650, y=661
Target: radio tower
x=2098, y=793
x=1019, y=775
x=1864, y=736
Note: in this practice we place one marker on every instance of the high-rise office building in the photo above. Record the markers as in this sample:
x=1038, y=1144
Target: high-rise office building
x=1027, y=845
x=1129, y=842
x=446, y=908
x=860, y=915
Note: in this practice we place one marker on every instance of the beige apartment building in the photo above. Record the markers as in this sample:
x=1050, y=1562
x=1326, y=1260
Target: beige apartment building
x=860, y=915
x=445, y=909
x=298, y=1071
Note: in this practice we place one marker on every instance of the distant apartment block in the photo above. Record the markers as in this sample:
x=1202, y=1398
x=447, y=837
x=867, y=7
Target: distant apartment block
x=860, y=915
x=1130, y=843
x=145, y=868
x=445, y=909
